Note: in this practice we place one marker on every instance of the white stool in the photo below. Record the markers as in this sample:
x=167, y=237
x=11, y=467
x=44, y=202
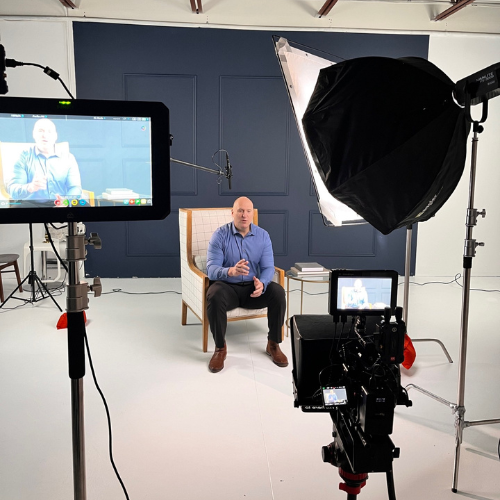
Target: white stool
x=43, y=247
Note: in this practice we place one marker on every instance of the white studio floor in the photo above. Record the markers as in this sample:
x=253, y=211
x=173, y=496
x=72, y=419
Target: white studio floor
x=181, y=432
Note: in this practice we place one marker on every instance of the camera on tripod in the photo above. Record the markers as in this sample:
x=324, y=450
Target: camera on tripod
x=347, y=364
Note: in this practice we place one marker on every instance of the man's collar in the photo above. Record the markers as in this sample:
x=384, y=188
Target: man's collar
x=38, y=153
x=234, y=230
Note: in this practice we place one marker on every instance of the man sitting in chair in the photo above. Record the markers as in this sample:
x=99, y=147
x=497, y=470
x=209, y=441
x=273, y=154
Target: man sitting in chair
x=356, y=297
x=42, y=173
x=240, y=266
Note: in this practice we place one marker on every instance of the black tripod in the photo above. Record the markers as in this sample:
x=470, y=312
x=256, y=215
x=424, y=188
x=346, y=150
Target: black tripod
x=36, y=284
x=353, y=482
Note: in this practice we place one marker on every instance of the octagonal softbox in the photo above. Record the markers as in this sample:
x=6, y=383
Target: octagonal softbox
x=387, y=137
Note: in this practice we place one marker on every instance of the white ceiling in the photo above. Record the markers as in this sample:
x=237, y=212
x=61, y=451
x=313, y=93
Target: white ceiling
x=483, y=16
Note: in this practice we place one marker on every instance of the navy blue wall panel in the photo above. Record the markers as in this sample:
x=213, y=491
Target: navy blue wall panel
x=224, y=90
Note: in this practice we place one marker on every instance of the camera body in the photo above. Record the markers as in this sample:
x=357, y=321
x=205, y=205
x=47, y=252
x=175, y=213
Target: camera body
x=347, y=364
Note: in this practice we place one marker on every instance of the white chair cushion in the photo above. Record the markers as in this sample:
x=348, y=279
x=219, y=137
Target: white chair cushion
x=200, y=261
x=240, y=311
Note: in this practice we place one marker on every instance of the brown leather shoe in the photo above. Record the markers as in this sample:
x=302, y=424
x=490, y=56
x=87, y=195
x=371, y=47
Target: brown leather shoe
x=273, y=350
x=217, y=362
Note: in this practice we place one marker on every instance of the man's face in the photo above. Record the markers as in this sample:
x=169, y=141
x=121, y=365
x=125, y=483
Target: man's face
x=358, y=285
x=242, y=214
x=45, y=136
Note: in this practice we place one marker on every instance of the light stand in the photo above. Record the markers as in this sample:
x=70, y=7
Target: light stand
x=470, y=245
x=36, y=284
x=76, y=303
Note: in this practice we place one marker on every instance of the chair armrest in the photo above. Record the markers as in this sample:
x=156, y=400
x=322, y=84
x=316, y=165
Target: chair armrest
x=279, y=276
x=196, y=270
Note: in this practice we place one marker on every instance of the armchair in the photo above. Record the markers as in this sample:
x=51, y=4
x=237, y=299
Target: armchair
x=196, y=226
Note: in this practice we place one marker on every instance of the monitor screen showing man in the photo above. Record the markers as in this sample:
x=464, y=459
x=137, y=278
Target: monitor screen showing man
x=43, y=172
x=83, y=160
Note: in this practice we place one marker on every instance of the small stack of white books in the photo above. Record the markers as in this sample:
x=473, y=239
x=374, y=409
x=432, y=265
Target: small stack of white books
x=119, y=194
x=309, y=269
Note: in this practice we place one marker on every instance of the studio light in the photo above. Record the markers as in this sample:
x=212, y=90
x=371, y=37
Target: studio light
x=479, y=87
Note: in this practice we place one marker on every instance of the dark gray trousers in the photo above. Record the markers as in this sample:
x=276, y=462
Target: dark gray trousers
x=223, y=297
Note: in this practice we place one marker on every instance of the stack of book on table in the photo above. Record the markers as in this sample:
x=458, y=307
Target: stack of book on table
x=309, y=269
x=119, y=194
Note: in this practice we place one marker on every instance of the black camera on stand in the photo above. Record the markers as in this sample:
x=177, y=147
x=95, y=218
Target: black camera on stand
x=347, y=364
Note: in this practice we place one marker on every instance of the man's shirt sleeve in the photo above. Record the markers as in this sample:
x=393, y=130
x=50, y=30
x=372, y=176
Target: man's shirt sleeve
x=73, y=182
x=215, y=257
x=18, y=184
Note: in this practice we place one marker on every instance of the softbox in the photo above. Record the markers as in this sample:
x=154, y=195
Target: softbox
x=300, y=72
x=387, y=138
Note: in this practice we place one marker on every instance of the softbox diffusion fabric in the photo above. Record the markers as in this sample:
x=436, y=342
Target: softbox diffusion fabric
x=387, y=137
x=300, y=72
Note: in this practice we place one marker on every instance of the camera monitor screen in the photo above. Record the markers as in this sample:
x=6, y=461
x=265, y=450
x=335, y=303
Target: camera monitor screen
x=334, y=396
x=83, y=160
x=355, y=292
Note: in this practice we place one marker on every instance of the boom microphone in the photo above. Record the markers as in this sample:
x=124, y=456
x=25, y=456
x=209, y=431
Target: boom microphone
x=3, y=76
x=229, y=170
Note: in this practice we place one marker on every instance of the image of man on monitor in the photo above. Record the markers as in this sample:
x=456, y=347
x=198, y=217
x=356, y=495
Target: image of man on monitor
x=45, y=171
x=356, y=297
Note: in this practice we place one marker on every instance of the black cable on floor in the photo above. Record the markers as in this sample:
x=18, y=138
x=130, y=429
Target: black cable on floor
x=119, y=290
x=108, y=418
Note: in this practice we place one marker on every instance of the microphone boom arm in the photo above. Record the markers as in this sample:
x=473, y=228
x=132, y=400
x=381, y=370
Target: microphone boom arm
x=227, y=174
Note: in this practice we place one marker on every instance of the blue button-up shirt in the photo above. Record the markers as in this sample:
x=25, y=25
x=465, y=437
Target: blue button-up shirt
x=61, y=171
x=227, y=246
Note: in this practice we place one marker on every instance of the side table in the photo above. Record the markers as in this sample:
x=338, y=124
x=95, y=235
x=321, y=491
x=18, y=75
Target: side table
x=307, y=278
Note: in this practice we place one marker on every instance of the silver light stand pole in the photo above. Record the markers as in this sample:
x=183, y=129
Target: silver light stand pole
x=470, y=245
x=469, y=252
x=406, y=287
x=76, y=303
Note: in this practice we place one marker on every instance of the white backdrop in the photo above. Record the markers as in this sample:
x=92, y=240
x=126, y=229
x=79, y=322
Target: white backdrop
x=440, y=240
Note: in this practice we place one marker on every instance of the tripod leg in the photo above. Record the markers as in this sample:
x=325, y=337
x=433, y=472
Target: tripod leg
x=390, y=485
x=41, y=284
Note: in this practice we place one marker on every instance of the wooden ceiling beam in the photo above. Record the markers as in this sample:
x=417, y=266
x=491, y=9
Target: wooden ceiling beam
x=196, y=6
x=69, y=4
x=453, y=9
x=327, y=7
